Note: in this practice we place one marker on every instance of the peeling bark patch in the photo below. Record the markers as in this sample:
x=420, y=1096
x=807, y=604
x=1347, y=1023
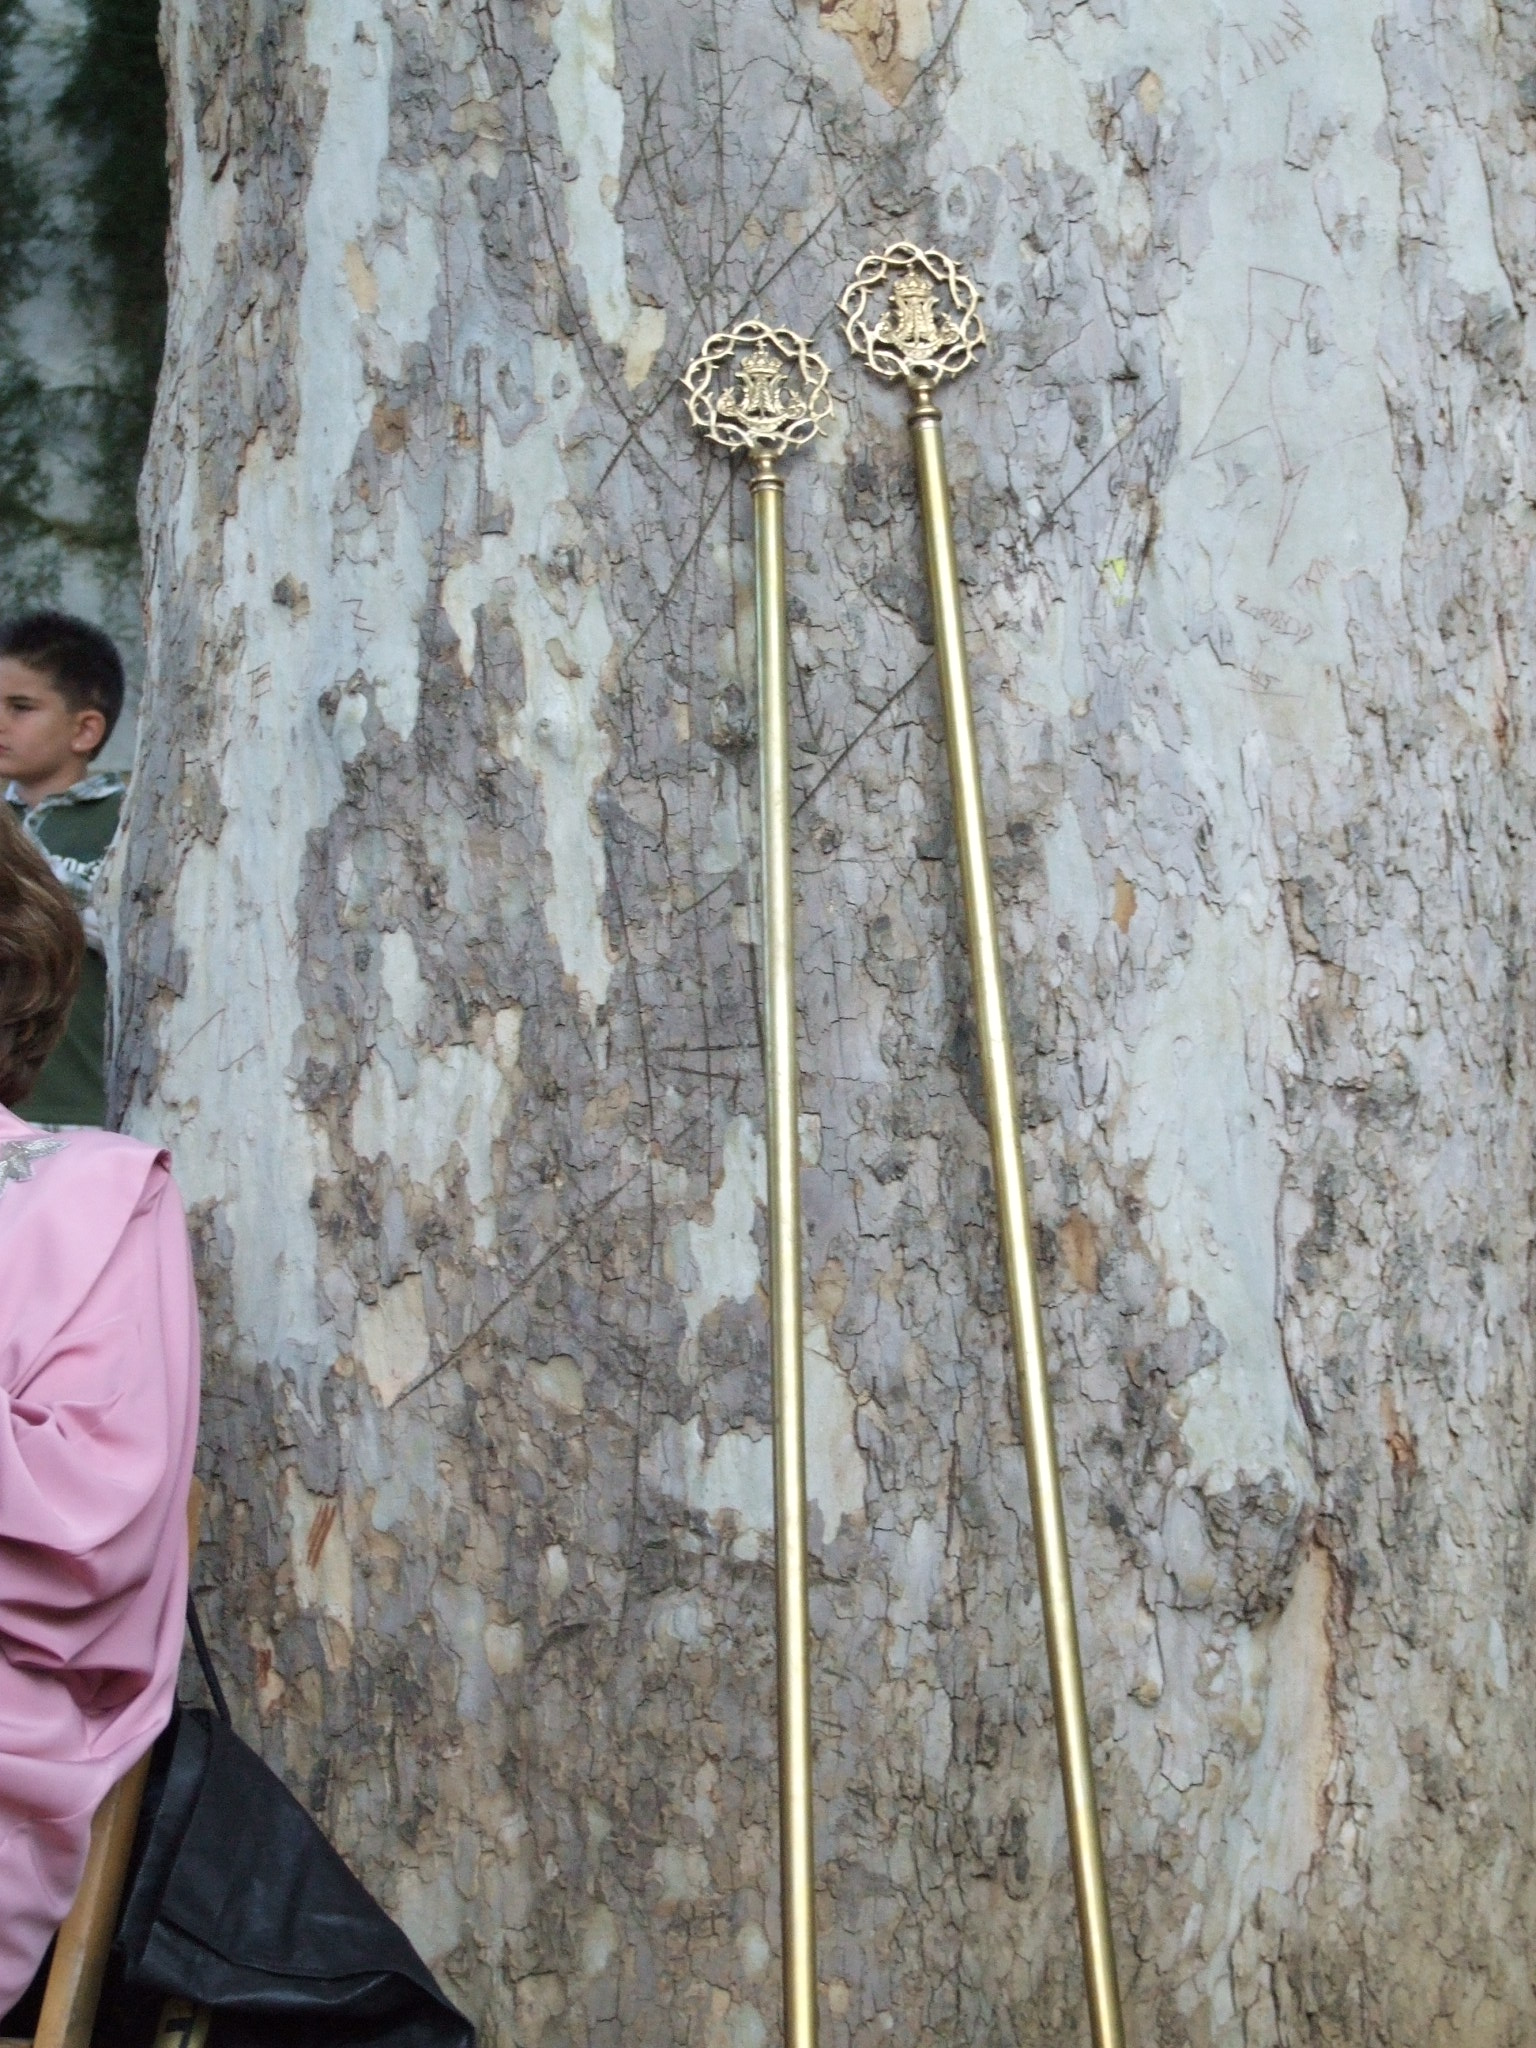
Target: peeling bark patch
x=1080, y=1249
x=889, y=38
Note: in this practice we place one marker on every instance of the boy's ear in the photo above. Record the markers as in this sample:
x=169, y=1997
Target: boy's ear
x=90, y=733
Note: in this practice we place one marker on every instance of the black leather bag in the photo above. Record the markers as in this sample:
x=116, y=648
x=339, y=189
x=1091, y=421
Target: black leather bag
x=237, y=1902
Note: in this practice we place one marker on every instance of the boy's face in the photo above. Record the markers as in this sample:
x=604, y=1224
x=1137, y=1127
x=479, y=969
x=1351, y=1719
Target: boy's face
x=44, y=746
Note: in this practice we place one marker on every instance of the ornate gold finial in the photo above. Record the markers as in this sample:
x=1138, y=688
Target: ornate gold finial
x=758, y=387
x=924, y=327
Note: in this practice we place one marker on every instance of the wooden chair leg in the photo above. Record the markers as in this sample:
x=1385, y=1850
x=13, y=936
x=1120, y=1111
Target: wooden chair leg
x=80, y=1957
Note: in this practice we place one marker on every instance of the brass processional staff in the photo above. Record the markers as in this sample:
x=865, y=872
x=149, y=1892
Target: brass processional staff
x=763, y=390
x=911, y=315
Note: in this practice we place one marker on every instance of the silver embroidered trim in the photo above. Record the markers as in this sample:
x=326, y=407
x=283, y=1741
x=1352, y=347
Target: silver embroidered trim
x=18, y=1156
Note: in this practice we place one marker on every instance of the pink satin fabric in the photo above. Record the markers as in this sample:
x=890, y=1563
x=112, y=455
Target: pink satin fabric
x=98, y=1421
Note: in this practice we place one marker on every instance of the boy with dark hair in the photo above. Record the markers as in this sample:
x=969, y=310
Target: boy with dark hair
x=61, y=691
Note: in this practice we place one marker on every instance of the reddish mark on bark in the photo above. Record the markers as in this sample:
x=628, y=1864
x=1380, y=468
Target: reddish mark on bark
x=320, y=1528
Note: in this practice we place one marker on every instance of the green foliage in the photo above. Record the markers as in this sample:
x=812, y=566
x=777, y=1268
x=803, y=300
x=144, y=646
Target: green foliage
x=111, y=113
x=28, y=551
x=113, y=105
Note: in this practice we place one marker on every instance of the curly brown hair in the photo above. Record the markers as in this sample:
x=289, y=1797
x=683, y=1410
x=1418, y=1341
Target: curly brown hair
x=42, y=945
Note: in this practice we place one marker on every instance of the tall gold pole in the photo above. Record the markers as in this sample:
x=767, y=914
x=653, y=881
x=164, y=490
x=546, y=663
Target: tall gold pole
x=776, y=397
x=797, y=1856
x=931, y=330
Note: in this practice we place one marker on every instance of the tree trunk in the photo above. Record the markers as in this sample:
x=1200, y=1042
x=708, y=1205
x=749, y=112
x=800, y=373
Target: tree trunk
x=438, y=979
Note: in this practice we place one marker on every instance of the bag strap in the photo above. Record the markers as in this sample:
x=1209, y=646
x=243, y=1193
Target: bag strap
x=205, y=1661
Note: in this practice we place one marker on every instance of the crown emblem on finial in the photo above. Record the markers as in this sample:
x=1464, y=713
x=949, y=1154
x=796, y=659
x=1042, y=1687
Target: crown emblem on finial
x=929, y=326
x=914, y=322
x=758, y=387
x=758, y=398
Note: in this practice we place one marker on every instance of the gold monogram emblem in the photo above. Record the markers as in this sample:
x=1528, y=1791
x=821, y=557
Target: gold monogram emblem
x=758, y=398
x=758, y=387
x=914, y=323
x=911, y=313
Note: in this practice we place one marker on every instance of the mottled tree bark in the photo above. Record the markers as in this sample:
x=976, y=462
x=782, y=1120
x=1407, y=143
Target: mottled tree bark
x=438, y=978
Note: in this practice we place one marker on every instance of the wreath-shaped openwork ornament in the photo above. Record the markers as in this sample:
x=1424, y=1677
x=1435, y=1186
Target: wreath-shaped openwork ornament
x=758, y=387
x=911, y=313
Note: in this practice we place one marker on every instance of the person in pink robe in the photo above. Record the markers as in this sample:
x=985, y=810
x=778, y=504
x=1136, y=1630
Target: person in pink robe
x=98, y=1420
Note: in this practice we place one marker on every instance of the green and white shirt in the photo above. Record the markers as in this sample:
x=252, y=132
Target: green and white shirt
x=74, y=830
